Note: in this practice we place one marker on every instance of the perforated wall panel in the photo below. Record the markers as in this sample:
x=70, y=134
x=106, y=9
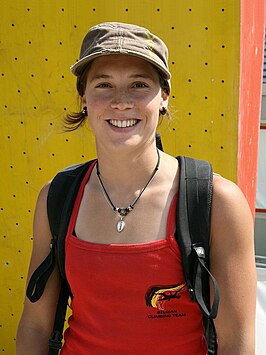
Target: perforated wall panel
x=39, y=41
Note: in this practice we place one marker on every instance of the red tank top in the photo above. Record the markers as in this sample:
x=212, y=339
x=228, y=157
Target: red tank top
x=129, y=298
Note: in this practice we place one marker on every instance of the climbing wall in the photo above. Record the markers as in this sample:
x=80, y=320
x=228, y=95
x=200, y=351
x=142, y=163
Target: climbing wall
x=39, y=41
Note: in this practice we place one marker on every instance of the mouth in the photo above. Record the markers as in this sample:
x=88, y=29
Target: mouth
x=123, y=123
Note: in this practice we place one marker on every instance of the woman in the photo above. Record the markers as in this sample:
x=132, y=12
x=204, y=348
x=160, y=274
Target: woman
x=114, y=259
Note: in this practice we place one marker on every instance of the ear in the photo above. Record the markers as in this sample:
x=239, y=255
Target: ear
x=164, y=100
x=83, y=100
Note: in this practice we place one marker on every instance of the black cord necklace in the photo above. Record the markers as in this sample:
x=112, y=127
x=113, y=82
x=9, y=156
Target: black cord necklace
x=123, y=212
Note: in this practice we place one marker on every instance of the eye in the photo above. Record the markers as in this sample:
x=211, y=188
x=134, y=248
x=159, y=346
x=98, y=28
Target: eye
x=140, y=84
x=103, y=85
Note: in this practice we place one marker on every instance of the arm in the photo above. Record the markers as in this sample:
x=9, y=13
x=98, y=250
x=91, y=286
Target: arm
x=232, y=263
x=37, y=319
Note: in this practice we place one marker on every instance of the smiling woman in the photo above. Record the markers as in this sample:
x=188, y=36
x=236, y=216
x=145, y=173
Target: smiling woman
x=118, y=254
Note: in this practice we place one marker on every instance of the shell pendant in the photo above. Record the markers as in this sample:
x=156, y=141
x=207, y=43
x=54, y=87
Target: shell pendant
x=120, y=225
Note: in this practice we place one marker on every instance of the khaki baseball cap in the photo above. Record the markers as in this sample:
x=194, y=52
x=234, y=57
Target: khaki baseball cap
x=121, y=38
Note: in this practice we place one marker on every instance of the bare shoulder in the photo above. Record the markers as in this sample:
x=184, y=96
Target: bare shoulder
x=41, y=229
x=229, y=203
x=232, y=263
x=224, y=188
x=42, y=197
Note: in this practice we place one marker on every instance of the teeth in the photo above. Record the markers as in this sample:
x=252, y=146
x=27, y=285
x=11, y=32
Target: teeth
x=123, y=124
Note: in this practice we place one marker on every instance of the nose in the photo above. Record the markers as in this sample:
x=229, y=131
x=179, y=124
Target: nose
x=122, y=100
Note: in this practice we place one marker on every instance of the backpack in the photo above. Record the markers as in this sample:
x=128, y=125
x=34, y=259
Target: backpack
x=192, y=235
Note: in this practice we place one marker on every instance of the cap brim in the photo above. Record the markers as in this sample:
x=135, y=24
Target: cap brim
x=78, y=67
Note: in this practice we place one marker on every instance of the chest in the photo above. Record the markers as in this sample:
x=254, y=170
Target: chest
x=97, y=222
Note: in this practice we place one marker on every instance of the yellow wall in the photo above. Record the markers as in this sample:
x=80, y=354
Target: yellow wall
x=39, y=41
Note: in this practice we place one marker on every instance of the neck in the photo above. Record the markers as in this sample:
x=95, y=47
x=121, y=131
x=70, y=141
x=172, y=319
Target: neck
x=127, y=172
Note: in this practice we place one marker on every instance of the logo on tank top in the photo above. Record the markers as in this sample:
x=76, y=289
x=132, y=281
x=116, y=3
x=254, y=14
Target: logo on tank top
x=158, y=296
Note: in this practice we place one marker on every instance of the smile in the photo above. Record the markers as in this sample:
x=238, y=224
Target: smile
x=123, y=124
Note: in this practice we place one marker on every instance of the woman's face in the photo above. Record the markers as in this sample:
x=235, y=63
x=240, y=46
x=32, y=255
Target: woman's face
x=123, y=98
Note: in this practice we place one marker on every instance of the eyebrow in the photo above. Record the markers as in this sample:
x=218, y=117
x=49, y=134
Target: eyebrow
x=133, y=76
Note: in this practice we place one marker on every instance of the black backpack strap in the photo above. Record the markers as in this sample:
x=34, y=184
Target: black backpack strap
x=60, y=201
x=55, y=341
x=193, y=230
x=192, y=235
x=56, y=199
x=40, y=276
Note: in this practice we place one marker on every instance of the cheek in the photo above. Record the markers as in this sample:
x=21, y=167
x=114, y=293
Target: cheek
x=154, y=105
x=96, y=106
